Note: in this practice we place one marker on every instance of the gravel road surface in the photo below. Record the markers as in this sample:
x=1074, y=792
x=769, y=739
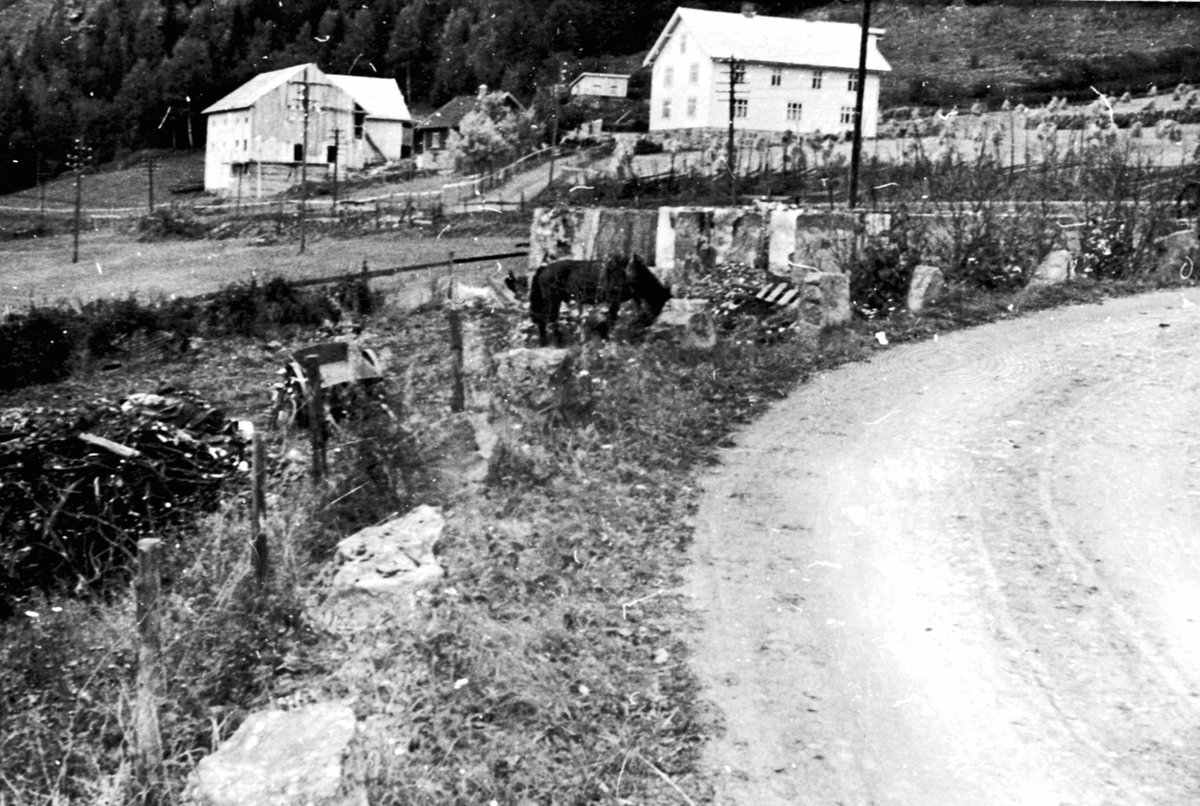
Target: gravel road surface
x=966, y=572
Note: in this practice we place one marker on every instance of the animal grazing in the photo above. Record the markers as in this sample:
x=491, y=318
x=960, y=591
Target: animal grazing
x=618, y=280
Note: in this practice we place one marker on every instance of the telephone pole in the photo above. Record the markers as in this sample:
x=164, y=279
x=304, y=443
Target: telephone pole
x=856, y=150
x=737, y=75
x=150, y=182
x=304, y=164
x=337, y=139
x=80, y=156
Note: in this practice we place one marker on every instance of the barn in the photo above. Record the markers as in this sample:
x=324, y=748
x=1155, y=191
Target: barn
x=299, y=120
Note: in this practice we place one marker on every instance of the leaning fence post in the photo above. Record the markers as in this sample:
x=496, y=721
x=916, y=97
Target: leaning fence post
x=316, y=417
x=147, y=587
x=258, y=508
x=458, y=400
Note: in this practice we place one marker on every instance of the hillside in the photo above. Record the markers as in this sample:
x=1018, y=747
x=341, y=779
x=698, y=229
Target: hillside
x=950, y=53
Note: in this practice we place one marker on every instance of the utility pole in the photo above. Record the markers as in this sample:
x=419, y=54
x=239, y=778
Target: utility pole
x=337, y=139
x=737, y=74
x=856, y=151
x=554, y=129
x=79, y=158
x=150, y=182
x=304, y=164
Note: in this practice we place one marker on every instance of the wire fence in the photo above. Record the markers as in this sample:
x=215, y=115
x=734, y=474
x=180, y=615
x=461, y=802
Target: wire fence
x=389, y=206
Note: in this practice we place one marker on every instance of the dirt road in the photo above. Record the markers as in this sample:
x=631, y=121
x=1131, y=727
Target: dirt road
x=967, y=572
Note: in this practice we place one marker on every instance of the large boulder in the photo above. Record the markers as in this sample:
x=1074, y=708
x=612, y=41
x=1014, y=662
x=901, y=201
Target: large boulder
x=381, y=570
x=825, y=298
x=1057, y=267
x=1177, y=254
x=281, y=758
x=533, y=378
x=926, y=285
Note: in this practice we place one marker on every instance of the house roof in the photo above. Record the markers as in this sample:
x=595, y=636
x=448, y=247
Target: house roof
x=246, y=95
x=380, y=98
x=582, y=76
x=774, y=40
x=452, y=113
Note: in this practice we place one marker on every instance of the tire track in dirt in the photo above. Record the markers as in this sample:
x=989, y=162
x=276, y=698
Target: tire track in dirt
x=924, y=580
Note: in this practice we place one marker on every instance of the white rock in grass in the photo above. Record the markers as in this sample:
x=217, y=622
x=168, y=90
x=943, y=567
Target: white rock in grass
x=924, y=288
x=1055, y=268
x=280, y=758
x=382, y=569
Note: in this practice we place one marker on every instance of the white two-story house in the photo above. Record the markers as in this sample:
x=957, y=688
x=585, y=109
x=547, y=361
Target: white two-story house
x=791, y=75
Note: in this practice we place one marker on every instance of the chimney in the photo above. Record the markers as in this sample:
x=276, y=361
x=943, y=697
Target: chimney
x=748, y=10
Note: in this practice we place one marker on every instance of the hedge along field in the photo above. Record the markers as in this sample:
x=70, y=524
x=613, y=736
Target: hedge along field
x=115, y=264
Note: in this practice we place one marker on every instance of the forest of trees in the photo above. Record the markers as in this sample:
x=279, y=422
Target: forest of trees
x=132, y=74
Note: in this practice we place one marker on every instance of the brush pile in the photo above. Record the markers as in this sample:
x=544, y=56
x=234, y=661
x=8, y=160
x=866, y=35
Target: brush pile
x=79, y=487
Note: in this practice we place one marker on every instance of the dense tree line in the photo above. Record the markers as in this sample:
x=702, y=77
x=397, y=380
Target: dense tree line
x=130, y=74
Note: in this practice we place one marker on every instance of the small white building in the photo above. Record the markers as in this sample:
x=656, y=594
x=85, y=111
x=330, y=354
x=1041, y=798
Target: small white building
x=600, y=85
x=793, y=75
x=256, y=134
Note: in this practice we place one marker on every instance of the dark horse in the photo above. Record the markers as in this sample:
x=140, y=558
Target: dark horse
x=590, y=282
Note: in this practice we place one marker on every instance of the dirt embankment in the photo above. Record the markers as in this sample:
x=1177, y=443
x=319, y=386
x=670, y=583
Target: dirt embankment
x=966, y=572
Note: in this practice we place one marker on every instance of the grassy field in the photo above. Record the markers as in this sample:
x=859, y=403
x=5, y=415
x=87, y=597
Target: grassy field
x=115, y=264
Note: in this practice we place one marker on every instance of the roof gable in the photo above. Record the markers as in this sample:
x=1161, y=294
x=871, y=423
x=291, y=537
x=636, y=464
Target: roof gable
x=778, y=40
x=248, y=94
x=380, y=98
x=452, y=113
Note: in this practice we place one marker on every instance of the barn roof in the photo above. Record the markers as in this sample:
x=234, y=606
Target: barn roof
x=774, y=40
x=248, y=94
x=380, y=98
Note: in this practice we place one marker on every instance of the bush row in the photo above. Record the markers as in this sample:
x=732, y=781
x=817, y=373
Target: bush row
x=47, y=343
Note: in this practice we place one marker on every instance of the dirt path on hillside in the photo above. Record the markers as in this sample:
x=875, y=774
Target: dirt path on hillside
x=967, y=572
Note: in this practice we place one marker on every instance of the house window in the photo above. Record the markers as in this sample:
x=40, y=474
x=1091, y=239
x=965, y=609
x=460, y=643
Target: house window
x=794, y=108
x=818, y=77
x=739, y=73
x=298, y=152
x=847, y=114
x=741, y=108
x=683, y=43
x=360, y=119
x=666, y=109
x=668, y=76
x=852, y=84
x=331, y=153
x=691, y=109
x=776, y=76
x=694, y=74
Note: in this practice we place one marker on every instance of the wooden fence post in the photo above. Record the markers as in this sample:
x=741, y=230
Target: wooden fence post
x=147, y=587
x=258, y=508
x=316, y=417
x=458, y=395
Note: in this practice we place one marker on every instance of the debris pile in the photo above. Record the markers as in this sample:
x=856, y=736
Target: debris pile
x=80, y=486
x=736, y=291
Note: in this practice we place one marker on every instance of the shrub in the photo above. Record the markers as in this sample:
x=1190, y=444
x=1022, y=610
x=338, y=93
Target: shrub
x=647, y=146
x=170, y=223
x=37, y=347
